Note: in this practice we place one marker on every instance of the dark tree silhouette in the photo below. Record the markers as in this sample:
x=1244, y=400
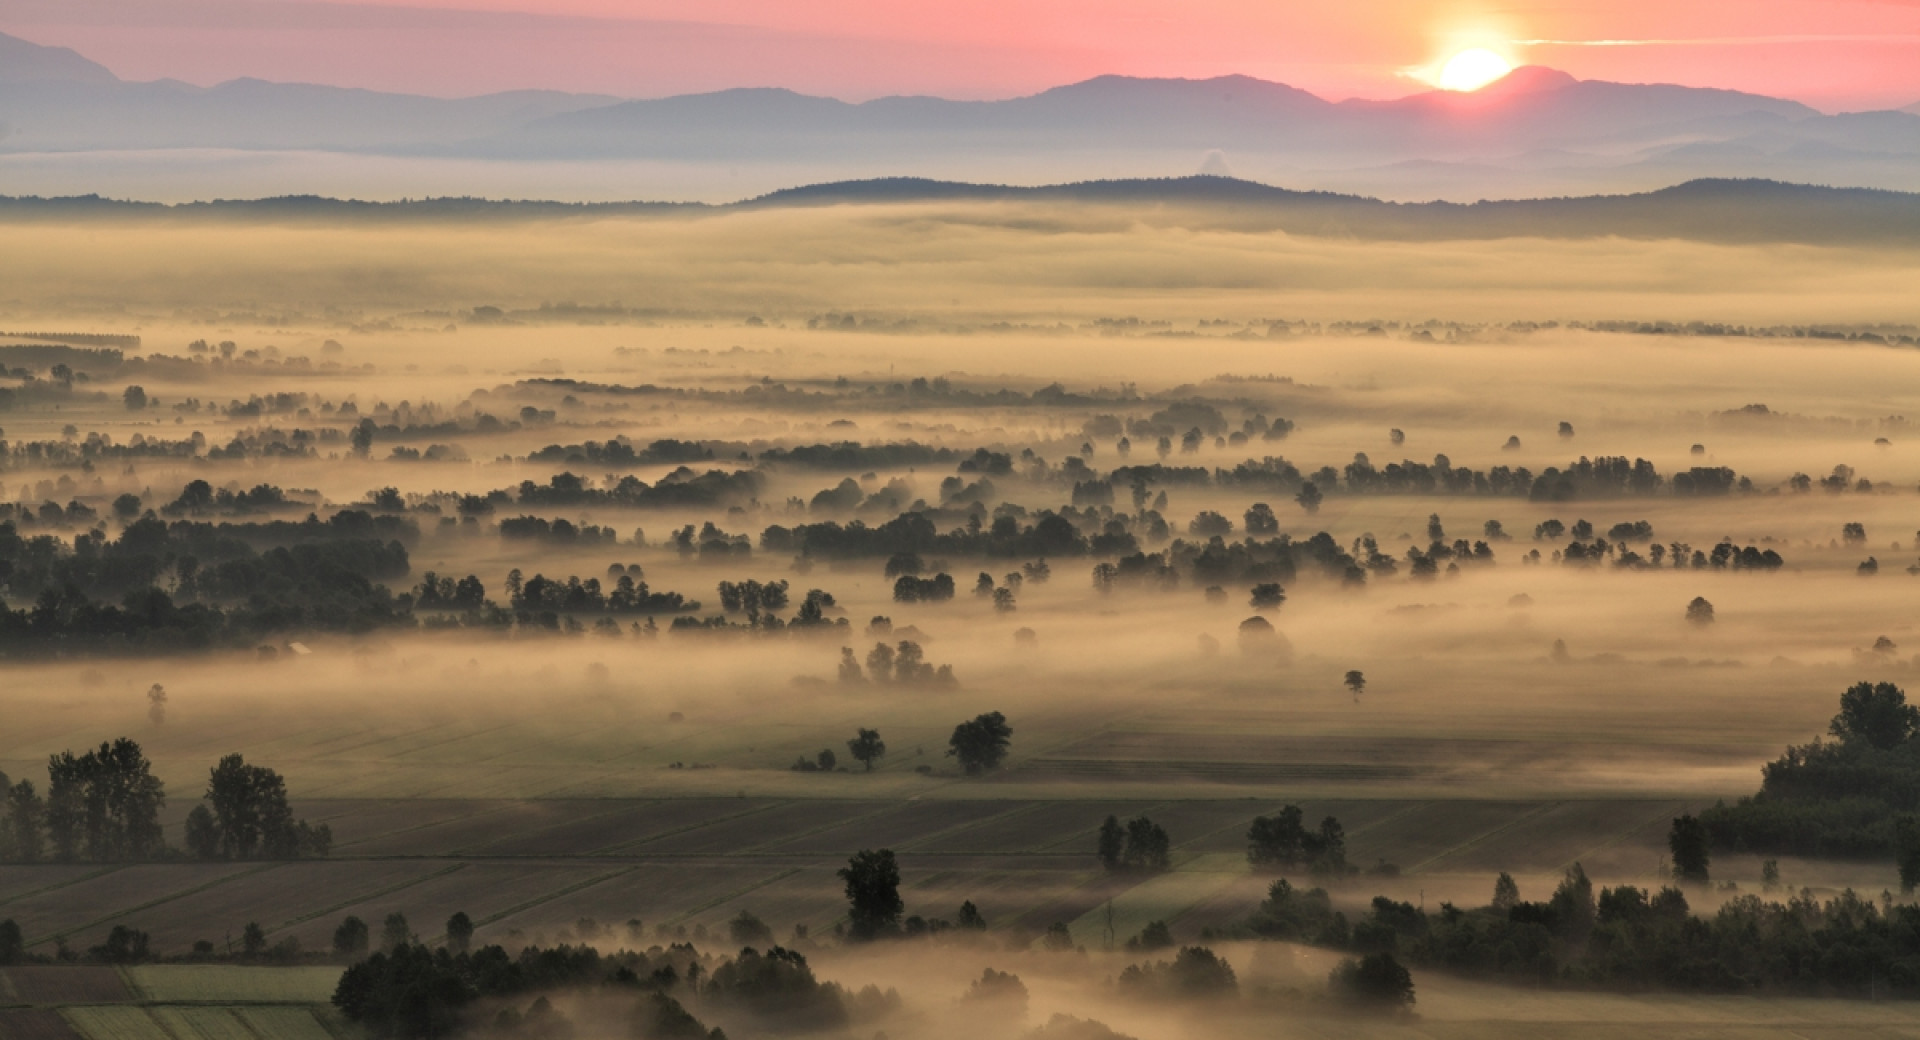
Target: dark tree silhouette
x=350, y=939
x=981, y=744
x=1700, y=612
x=1356, y=681
x=873, y=893
x=1112, y=843
x=866, y=747
x=1876, y=715
x=395, y=933
x=459, y=932
x=1376, y=981
x=249, y=817
x=1309, y=497
x=1506, y=893
x=1687, y=841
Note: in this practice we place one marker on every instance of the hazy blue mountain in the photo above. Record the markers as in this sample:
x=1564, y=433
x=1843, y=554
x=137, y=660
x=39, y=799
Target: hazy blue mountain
x=54, y=100
x=1536, y=132
x=24, y=62
x=1533, y=108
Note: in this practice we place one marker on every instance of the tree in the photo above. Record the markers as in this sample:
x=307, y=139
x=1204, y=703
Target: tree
x=873, y=893
x=1111, y=843
x=748, y=930
x=1147, y=845
x=1356, y=681
x=127, y=506
x=251, y=818
x=1267, y=596
x=104, y=805
x=1003, y=601
x=1376, y=981
x=970, y=918
x=866, y=747
x=362, y=438
x=350, y=939
x=1277, y=841
x=1506, y=893
x=24, y=814
x=1309, y=498
x=13, y=946
x=1876, y=715
x=826, y=760
x=1435, y=532
x=203, y=834
x=1906, y=851
x=253, y=939
x=135, y=398
x=1700, y=612
x=1260, y=519
x=981, y=744
x=395, y=933
x=459, y=932
x=156, y=704
x=1687, y=841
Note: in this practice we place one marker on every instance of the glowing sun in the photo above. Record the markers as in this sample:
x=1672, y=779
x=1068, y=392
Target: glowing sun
x=1473, y=69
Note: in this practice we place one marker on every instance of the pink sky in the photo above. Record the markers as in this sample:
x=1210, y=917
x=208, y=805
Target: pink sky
x=1834, y=54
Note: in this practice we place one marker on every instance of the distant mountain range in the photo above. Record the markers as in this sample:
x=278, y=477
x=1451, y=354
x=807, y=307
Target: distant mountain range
x=1711, y=210
x=1538, y=129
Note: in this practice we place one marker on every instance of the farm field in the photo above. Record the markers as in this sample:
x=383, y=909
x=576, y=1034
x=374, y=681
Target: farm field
x=633, y=620
x=1023, y=861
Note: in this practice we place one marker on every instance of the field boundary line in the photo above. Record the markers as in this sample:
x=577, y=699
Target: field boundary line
x=1019, y=809
x=547, y=898
x=399, y=886
x=885, y=808
x=717, y=900
x=126, y=979
x=102, y=872
x=1534, y=813
x=614, y=849
x=436, y=823
x=150, y=904
x=1411, y=806
x=1225, y=827
x=620, y=807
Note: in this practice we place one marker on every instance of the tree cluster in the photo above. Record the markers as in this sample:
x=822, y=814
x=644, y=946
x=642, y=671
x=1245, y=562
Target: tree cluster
x=1282, y=841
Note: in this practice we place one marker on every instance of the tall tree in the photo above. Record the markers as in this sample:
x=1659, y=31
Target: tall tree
x=251, y=818
x=1687, y=841
x=1112, y=843
x=873, y=893
x=459, y=932
x=104, y=805
x=981, y=744
x=866, y=747
x=1875, y=714
x=24, y=813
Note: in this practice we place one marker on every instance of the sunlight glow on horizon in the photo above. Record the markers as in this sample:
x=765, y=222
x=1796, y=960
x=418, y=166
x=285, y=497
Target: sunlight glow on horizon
x=1472, y=69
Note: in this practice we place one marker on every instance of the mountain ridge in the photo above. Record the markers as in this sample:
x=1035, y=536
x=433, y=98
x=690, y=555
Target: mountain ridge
x=1717, y=210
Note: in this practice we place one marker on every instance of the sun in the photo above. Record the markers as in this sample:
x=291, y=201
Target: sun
x=1473, y=69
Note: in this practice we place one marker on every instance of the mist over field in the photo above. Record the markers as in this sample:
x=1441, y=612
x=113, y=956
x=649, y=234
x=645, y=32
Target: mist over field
x=1466, y=634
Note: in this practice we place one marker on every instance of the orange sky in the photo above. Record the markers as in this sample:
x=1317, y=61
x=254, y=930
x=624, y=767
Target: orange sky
x=1835, y=54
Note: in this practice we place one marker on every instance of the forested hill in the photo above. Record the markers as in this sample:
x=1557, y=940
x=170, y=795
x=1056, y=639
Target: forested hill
x=1735, y=211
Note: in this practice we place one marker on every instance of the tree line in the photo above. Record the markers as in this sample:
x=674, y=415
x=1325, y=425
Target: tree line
x=103, y=806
